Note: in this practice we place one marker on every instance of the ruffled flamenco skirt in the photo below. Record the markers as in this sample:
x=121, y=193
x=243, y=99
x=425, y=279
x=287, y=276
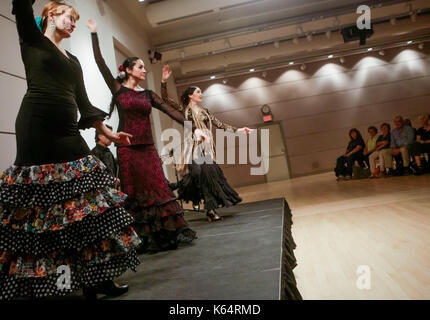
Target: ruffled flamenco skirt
x=159, y=219
x=207, y=182
x=62, y=228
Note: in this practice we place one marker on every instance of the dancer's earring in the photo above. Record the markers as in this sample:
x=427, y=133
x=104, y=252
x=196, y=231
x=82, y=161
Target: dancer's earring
x=52, y=25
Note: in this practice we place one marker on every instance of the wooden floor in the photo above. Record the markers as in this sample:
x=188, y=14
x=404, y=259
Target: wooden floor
x=383, y=224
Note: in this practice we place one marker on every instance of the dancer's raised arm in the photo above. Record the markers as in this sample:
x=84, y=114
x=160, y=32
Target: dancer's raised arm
x=161, y=105
x=110, y=80
x=27, y=28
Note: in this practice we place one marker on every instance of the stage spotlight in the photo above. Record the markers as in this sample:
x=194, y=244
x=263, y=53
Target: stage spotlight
x=303, y=67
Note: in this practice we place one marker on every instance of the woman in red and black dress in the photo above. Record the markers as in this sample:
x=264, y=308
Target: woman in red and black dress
x=159, y=220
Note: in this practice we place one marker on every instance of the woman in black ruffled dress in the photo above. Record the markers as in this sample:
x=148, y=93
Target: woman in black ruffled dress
x=204, y=181
x=61, y=224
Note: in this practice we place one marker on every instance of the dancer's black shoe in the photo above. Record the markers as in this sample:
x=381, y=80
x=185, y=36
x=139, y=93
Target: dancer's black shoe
x=108, y=288
x=213, y=217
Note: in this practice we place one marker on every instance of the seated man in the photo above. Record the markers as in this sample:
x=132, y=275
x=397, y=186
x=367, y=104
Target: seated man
x=402, y=138
x=102, y=152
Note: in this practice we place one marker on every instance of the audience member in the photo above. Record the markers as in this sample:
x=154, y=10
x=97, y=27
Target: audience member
x=382, y=154
x=422, y=144
x=402, y=138
x=354, y=152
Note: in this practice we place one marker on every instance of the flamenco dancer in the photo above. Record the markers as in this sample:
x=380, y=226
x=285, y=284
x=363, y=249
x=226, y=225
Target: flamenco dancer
x=159, y=220
x=58, y=212
x=204, y=181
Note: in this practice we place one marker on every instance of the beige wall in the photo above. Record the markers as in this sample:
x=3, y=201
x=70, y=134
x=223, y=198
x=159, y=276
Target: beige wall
x=114, y=26
x=318, y=106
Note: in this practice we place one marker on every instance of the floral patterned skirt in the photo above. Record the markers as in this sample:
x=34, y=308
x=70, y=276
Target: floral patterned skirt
x=159, y=219
x=62, y=228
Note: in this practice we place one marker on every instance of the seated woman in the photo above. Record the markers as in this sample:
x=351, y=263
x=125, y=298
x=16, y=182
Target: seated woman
x=422, y=144
x=354, y=151
x=382, y=153
x=371, y=144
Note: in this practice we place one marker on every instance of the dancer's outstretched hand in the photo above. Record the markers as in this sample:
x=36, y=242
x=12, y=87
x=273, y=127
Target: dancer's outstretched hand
x=245, y=130
x=166, y=73
x=122, y=138
x=92, y=25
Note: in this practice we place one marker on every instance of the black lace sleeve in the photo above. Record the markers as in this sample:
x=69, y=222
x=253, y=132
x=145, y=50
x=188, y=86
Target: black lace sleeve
x=27, y=28
x=161, y=105
x=111, y=82
x=169, y=101
x=89, y=113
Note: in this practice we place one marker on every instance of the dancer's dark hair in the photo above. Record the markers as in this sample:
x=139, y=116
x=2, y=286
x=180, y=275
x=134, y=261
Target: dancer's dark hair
x=185, y=98
x=128, y=63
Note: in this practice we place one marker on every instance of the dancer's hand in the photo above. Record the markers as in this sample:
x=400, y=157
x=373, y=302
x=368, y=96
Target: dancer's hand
x=166, y=73
x=245, y=130
x=122, y=138
x=92, y=25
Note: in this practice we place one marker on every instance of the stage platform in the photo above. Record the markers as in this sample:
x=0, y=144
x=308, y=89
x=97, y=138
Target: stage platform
x=248, y=256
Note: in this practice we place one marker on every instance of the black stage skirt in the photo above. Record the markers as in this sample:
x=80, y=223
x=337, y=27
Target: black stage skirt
x=207, y=182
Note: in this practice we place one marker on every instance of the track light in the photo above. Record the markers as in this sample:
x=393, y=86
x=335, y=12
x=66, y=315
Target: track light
x=381, y=52
x=213, y=77
x=330, y=56
x=342, y=60
x=409, y=42
x=369, y=49
x=421, y=46
x=251, y=70
x=303, y=67
x=291, y=63
x=224, y=81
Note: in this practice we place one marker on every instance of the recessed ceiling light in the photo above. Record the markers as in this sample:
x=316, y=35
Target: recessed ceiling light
x=141, y=0
x=251, y=70
x=330, y=56
x=291, y=63
x=212, y=77
x=369, y=49
x=409, y=42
